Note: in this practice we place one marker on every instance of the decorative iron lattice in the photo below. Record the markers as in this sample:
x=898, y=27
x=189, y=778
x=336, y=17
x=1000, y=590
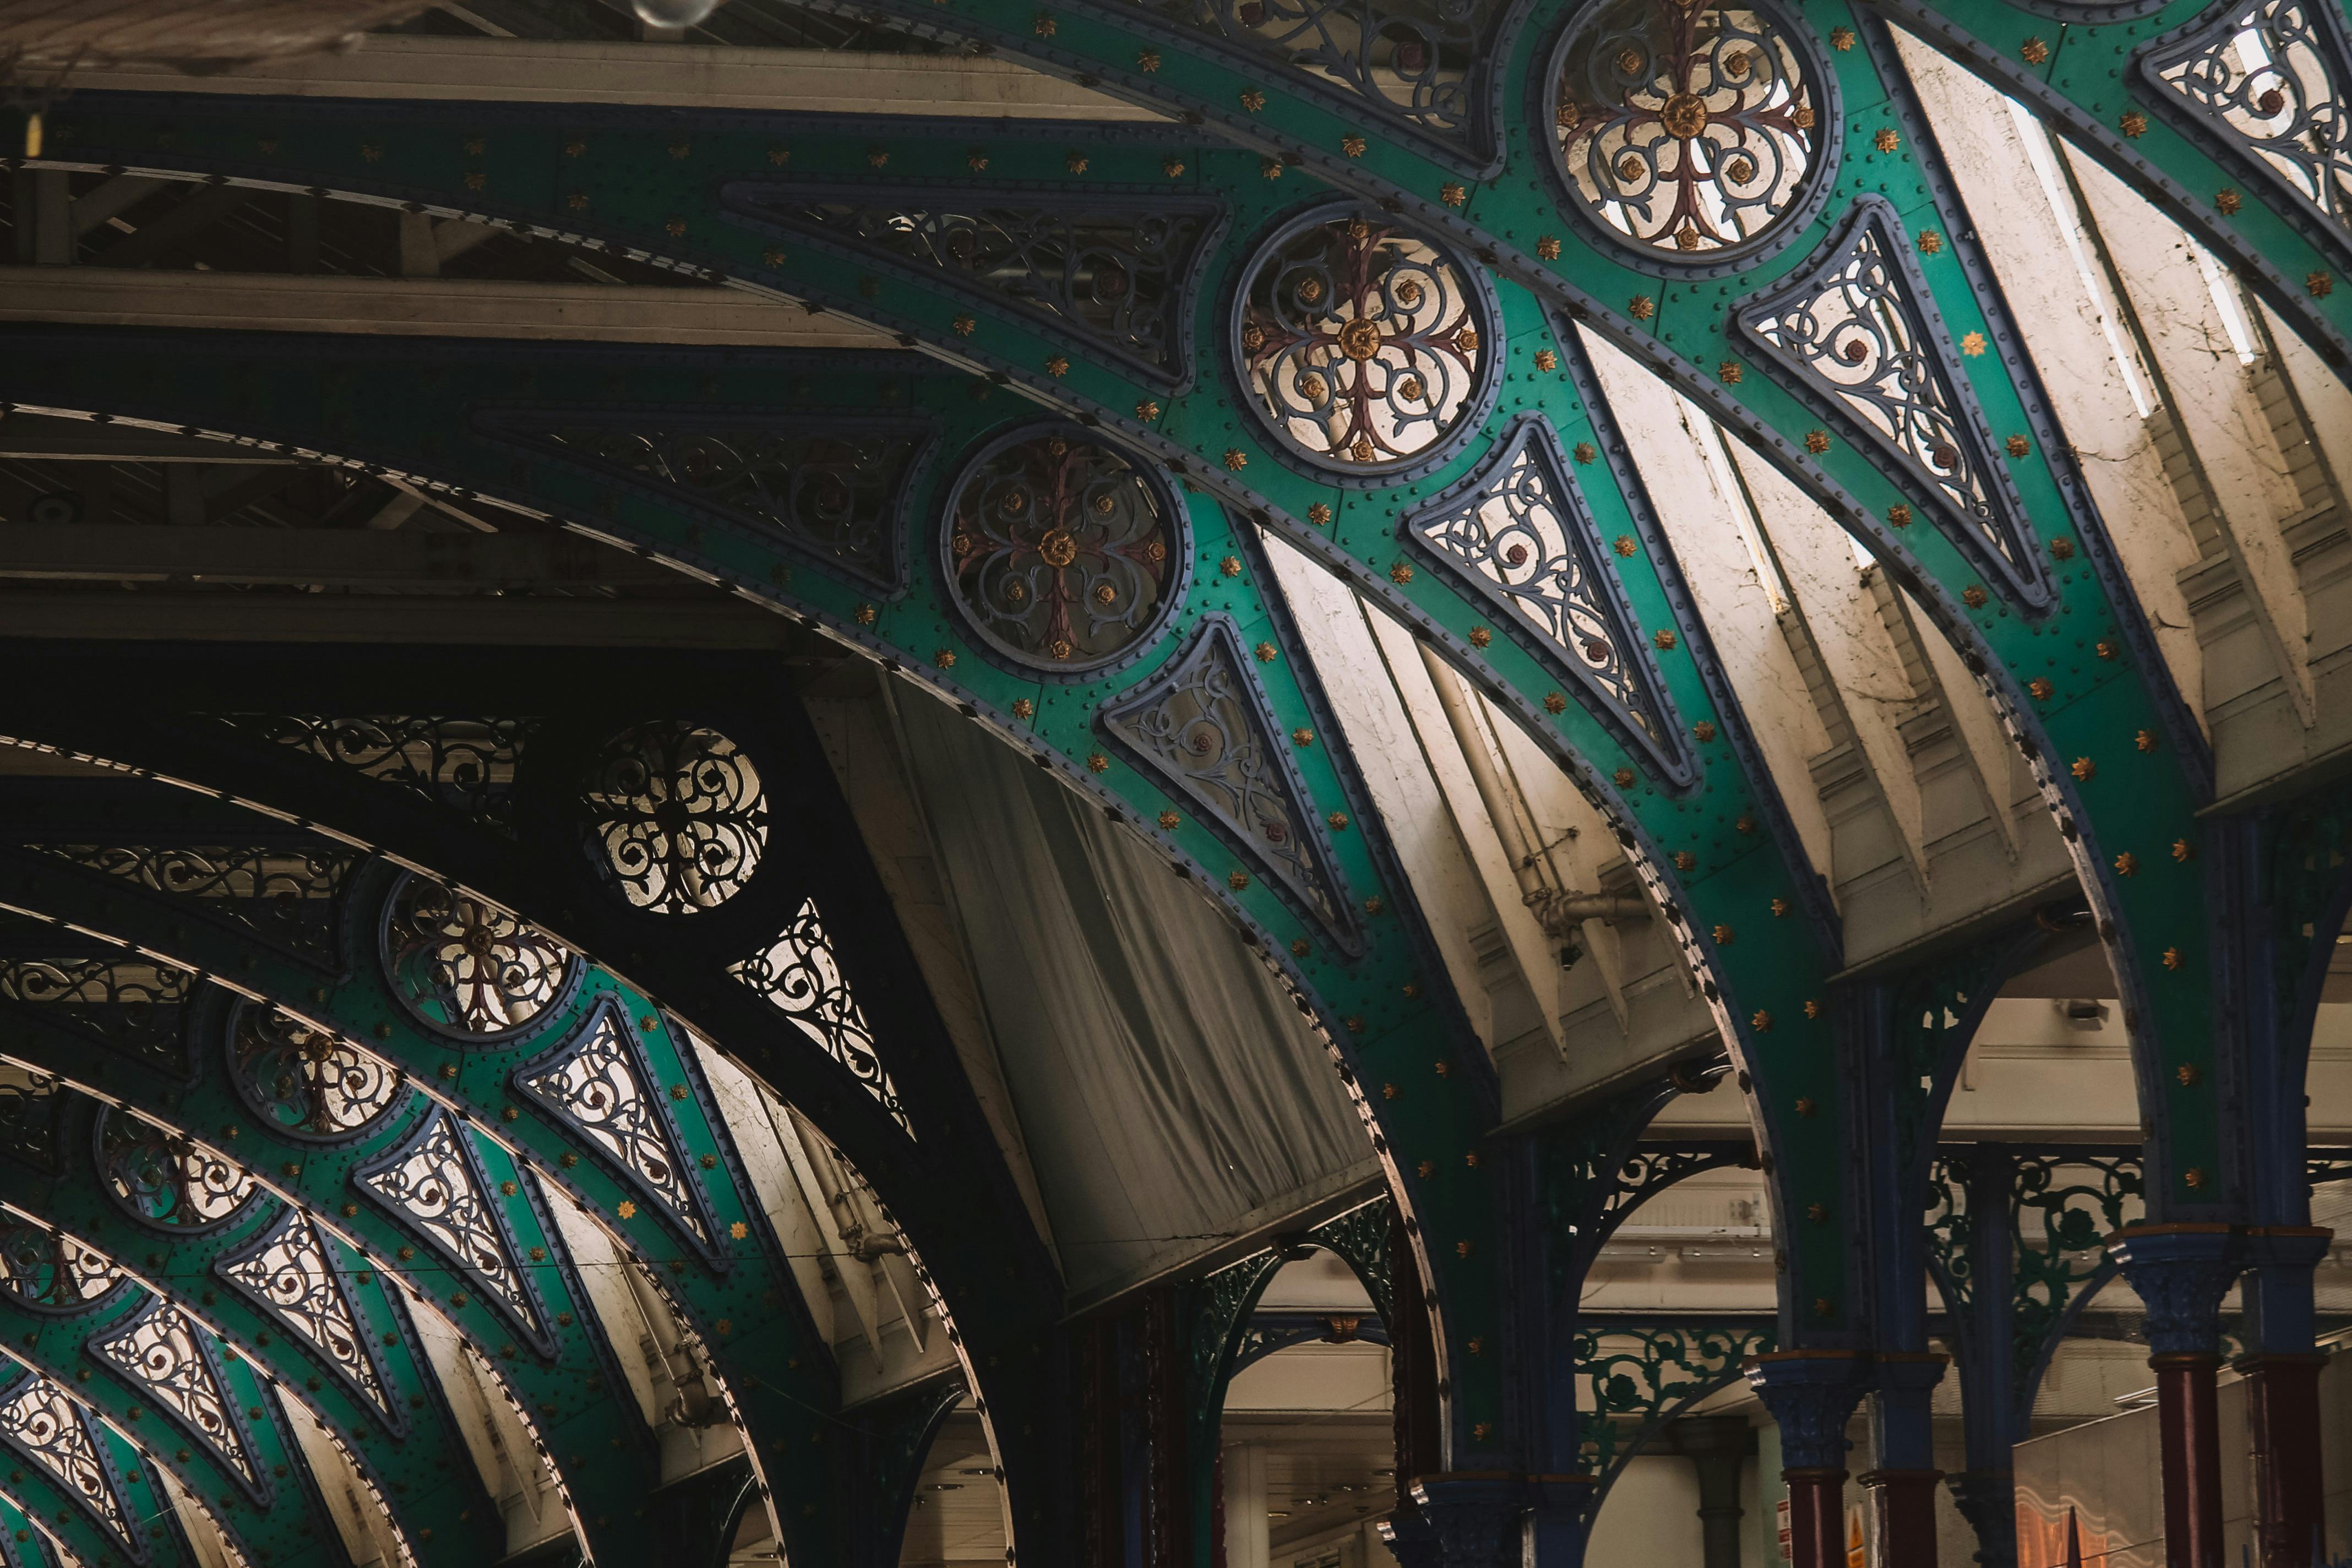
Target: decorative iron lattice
x=1690, y=130
x=2064, y=1204
x=465, y=764
x=1119, y=277
x=800, y=976
x=1639, y=1373
x=289, y=896
x=1062, y=551
x=29, y=1117
x=287, y=1273
x=134, y=1006
x=163, y=1354
x=833, y=490
x=433, y=1183
x=49, y=1272
x=163, y=1178
x=599, y=1084
x=2269, y=78
x=1421, y=65
x=1519, y=534
x=464, y=966
x=307, y=1082
x=1361, y=1237
x=1363, y=346
x=46, y=1428
x=1202, y=731
x=677, y=814
x=1860, y=335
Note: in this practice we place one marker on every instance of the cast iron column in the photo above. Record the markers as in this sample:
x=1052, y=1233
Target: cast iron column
x=2181, y=1272
x=1717, y=1446
x=2282, y=1392
x=1900, y=1488
x=1812, y=1395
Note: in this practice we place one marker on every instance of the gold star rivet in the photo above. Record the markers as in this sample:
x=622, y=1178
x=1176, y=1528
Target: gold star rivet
x=2183, y=850
x=1724, y=934
x=1170, y=821
x=739, y=1230
x=627, y=1210
x=1759, y=1021
x=2172, y=958
x=2084, y=769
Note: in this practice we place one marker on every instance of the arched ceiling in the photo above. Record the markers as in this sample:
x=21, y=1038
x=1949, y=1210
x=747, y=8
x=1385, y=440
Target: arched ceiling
x=1946, y=552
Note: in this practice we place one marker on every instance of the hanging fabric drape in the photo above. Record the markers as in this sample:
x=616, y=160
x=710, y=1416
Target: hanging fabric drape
x=1170, y=1091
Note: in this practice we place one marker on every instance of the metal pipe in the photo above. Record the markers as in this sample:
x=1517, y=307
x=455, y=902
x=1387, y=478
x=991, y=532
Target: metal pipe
x=1560, y=912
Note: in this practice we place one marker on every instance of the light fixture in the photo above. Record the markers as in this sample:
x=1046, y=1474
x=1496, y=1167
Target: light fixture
x=673, y=13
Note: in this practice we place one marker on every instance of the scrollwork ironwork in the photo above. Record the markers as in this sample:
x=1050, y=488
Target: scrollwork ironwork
x=163, y=1178
x=307, y=1082
x=49, y=1272
x=1860, y=335
x=1424, y=66
x=2067, y=1204
x=432, y=1183
x=290, y=896
x=1639, y=1372
x=598, y=1085
x=30, y=1115
x=43, y=1424
x=800, y=976
x=1203, y=730
x=135, y=1006
x=831, y=489
x=2269, y=78
x=287, y=1273
x=676, y=815
x=463, y=966
x=1364, y=346
x=163, y=1354
x=465, y=764
x=1117, y=274
x=1517, y=532
x=1690, y=130
x=1064, y=552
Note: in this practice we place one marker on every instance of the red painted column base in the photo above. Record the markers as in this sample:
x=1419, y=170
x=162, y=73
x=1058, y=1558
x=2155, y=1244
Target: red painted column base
x=1816, y=1517
x=1901, y=1505
x=2189, y=1428
x=2283, y=1423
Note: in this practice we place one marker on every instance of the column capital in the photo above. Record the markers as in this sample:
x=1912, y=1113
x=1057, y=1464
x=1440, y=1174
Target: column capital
x=2181, y=1272
x=1812, y=1396
x=1988, y=1500
x=1472, y=1517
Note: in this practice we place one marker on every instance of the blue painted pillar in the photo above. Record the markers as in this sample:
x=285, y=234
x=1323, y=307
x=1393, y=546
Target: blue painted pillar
x=1812, y=1395
x=2181, y=1272
x=1888, y=1178
x=1986, y=1492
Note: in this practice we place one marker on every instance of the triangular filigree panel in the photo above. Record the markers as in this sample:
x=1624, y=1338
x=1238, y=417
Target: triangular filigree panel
x=290, y=895
x=163, y=1354
x=1205, y=732
x=1118, y=270
x=465, y=764
x=45, y=1428
x=1858, y=336
x=598, y=1084
x=799, y=975
x=1519, y=534
x=433, y=1184
x=2267, y=81
x=287, y=1273
x=134, y=1005
x=831, y=488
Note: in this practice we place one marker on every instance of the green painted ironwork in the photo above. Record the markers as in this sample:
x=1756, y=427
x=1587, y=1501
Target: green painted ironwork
x=628, y=176
x=2063, y=1205
x=1641, y=1372
x=773, y=1382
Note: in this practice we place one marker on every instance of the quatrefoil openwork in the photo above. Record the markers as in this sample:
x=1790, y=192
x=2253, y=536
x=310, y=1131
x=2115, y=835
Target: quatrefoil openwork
x=1368, y=351
x=1695, y=134
x=1062, y=552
